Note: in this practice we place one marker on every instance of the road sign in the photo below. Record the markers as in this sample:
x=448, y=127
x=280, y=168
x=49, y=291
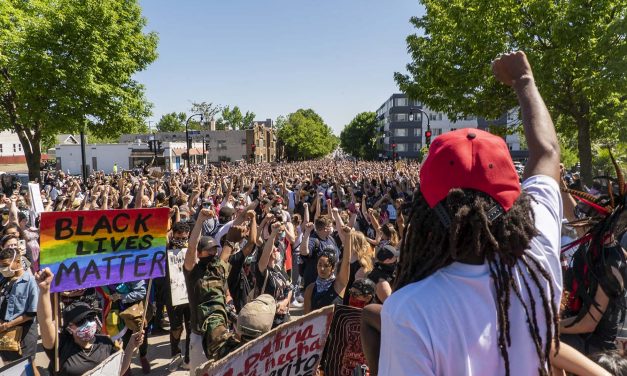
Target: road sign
x=194, y=132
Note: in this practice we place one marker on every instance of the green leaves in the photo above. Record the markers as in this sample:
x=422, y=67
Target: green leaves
x=359, y=137
x=172, y=122
x=305, y=135
x=69, y=65
x=233, y=118
x=577, y=50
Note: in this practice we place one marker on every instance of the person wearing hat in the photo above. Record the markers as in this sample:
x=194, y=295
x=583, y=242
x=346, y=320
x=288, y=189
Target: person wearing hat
x=81, y=348
x=255, y=318
x=383, y=273
x=207, y=291
x=479, y=273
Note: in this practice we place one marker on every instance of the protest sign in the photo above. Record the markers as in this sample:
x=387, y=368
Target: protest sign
x=21, y=367
x=343, y=352
x=101, y=247
x=176, y=259
x=292, y=349
x=37, y=205
x=110, y=366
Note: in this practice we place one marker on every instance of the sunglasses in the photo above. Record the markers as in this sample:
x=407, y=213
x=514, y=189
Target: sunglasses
x=85, y=320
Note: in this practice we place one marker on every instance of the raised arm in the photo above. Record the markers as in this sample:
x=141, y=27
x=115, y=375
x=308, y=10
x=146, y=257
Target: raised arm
x=342, y=278
x=44, y=308
x=267, y=248
x=191, y=257
x=544, y=151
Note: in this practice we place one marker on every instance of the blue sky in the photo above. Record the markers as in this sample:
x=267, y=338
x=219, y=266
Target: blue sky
x=273, y=57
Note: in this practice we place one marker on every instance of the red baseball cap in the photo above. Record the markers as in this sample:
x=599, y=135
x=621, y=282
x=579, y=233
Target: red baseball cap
x=469, y=158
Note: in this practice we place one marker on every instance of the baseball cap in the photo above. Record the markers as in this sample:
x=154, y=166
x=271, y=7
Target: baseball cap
x=206, y=243
x=256, y=317
x=469, y=158
x=77, y=311
x=386, y=252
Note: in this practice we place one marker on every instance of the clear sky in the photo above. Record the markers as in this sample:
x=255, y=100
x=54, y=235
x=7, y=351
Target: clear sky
x=273, y=57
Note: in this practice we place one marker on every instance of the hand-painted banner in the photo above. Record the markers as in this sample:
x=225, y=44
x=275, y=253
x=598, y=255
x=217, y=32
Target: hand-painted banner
x=343, y=352
x=101, y=247
x=178, y=288
x=291, y=349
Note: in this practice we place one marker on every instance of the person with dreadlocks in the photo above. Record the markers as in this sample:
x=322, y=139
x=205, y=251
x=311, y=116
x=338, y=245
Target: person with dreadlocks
x=595, y=279
x=479, y=274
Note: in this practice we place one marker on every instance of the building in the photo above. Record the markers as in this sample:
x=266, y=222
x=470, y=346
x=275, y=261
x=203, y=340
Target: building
x=403, y=122
x=257, y=143
x=11, y=151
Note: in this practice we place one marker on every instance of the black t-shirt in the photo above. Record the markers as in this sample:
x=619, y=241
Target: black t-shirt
x=240, y=285
x=76, y=361
x=277, y=284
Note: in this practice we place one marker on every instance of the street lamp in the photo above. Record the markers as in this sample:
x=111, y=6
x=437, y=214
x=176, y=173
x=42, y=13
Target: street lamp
x=187, y=135
x=428, y=132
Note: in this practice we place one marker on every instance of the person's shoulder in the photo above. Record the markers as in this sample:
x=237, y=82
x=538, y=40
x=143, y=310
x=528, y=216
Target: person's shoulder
x=408, y=296
x=541, y=185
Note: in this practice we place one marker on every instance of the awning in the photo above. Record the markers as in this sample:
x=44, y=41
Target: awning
x=192, y=151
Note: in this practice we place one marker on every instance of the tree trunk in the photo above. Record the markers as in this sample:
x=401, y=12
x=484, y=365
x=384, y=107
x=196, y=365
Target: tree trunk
x=584, y=148
x=31, y=144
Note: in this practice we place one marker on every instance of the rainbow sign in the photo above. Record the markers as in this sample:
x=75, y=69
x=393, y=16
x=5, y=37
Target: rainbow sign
x=102, y=247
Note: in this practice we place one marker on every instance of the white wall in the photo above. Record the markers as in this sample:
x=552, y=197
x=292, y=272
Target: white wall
x=106, y=155
x=9, y=139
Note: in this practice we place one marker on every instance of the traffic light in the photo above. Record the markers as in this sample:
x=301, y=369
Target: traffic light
x=428, y=138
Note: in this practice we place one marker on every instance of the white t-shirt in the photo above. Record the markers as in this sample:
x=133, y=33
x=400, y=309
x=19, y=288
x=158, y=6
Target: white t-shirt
x=447, y=324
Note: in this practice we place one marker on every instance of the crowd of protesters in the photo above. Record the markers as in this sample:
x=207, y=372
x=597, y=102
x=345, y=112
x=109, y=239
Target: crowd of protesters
x=456, y=262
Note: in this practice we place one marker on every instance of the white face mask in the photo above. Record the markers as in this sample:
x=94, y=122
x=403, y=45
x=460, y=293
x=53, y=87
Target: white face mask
x=8, y=271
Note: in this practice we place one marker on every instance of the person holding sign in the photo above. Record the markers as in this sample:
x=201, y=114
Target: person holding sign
x=80, y=347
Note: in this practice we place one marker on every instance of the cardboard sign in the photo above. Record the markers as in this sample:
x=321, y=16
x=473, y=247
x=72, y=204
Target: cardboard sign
x=22, y=367
x=110, y=366
x=101, y=247
x=292, y=349
x=176, y=259
x=343, y=353
x=37, y=205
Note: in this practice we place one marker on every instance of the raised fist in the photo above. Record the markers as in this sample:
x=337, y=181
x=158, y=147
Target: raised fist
x=510, y=68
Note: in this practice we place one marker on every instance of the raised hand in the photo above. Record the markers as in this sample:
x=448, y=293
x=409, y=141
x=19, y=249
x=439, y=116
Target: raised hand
x=511, y=68
x=44, y=279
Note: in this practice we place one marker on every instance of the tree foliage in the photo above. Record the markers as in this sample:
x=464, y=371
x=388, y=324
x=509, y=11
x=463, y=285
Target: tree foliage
x=67, y=66
x=577, y=49
x=306, y=136
x=359, y=137
x=172, y=122
x=234, y=119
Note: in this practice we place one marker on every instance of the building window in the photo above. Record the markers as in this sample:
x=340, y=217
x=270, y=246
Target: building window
x=400, y=101
x=221, y=144
x=400, y=132
x=401, y=147
x=433, y=116
x=416, y=147
x=1, y=151
x=417, y=132
x=436, y=131
x=509, y=146
x=401, y=117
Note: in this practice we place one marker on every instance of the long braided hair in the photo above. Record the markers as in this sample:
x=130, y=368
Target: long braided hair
x=428, y=246
x=591, y=266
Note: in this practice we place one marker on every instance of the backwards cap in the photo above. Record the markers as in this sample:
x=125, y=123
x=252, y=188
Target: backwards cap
x=469, y=158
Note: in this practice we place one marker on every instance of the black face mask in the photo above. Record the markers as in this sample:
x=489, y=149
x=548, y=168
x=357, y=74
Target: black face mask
x=206, y=260
x=384, y=254
x=386, y=268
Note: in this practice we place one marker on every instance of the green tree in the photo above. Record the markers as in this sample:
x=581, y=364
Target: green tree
x=306, y=136
x=172, y=122
x=67, y=66
x=577, y=50
x=234, y=119
x=359, y=137
x=208, y=111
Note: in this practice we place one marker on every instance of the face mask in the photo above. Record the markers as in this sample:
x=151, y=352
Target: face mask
x=178, y=243
x=87, y=331
x=7, y=271
x=206, y=259
x=354, y=302
x=282, y=235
